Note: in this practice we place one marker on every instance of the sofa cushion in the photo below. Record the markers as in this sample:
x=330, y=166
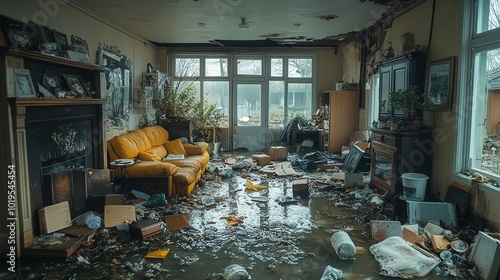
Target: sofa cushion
x=146, y=169
x=175, y=147
x=129, y=145
x=157, y=135
x=154, y=153
x=197, y=148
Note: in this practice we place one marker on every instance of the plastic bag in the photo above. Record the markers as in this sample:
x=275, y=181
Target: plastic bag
x=157, y=199
x=331, y=273
x=90, y=219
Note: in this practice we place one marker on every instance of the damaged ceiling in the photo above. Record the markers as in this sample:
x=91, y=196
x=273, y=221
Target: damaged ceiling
x=236, y=23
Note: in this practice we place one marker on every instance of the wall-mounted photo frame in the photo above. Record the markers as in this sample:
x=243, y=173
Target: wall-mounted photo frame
x=75, y=84
x=60, y=39
x=24, y=84
x=440, y=83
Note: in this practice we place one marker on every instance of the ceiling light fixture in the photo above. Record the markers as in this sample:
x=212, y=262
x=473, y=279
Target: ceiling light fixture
x=243, y=24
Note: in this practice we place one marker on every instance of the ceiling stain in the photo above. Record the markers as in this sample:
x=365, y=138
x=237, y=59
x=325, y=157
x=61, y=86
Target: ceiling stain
x=328, y=17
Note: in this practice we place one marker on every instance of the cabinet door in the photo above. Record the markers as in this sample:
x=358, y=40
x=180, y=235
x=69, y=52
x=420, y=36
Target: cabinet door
x=400, y=81
x=385, y=88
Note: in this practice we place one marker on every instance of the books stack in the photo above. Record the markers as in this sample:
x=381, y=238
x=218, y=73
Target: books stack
x=145, y=228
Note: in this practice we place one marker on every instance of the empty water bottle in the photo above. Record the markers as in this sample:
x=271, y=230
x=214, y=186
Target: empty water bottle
x=93, y=221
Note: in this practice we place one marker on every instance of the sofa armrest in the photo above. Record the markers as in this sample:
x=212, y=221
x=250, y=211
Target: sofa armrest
x=196, y=148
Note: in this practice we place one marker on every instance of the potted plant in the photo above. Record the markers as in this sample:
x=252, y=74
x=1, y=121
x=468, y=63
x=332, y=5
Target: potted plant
x=411, y=102
x=180, y=104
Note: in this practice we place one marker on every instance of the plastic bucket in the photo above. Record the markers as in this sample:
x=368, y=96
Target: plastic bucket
x=414, y=185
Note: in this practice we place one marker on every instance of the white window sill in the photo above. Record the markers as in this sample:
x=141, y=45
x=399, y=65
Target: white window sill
x=485, y=187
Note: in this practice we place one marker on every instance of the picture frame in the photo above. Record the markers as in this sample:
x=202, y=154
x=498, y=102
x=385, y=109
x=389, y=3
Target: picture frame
x=76, y=85
x=440, y=83
x=24, y=84
x=19, y=37
x=60, y=39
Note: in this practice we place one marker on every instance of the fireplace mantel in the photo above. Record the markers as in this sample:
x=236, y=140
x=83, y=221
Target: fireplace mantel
x=28, y=102
x=19, y=114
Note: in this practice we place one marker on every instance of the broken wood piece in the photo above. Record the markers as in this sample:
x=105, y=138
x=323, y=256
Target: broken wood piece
x=439, y=243
x=412, y=237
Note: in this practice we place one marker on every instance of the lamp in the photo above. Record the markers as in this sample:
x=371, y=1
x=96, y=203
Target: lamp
x=243, y=24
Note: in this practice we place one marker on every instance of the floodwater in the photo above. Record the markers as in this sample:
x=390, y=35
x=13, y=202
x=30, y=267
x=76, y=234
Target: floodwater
x=279, y=238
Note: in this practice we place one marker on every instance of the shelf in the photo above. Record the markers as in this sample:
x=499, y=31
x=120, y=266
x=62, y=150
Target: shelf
x=52, y=59
x=27, y=102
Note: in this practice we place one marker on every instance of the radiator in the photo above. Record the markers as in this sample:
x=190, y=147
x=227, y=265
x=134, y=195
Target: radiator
x=273, y=138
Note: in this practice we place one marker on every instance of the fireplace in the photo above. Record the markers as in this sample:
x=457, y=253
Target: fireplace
x=65, y=181
x=62, y=142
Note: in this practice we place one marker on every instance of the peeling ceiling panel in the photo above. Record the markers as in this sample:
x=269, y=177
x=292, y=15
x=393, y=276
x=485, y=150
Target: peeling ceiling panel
x=178, y=22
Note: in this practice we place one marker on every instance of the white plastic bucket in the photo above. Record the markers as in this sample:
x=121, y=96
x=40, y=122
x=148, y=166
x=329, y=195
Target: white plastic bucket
x=414, y=185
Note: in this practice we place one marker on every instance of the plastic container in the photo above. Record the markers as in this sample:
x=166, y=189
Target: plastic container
x=414, y=186
x=93, y=221
x=235, y=272
x=343, y=245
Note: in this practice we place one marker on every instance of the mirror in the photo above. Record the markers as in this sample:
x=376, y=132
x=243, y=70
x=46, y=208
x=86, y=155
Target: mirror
x=118, y=85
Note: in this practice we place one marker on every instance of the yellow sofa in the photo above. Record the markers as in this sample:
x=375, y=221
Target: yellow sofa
x=148, y=147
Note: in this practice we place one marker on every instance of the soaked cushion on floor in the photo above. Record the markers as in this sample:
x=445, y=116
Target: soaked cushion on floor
x=398, y=259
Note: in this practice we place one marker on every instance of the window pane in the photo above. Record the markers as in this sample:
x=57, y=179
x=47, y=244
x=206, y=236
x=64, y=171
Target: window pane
x=488, y=15
x=276, y=103
x=485, y=148
x=276, y=67
x=187, y=67
x=299, y=99
x=249, y=67
x=218, y=93
x=216, y=67
x=300, y=68
x=179, y=86
x=248, y=99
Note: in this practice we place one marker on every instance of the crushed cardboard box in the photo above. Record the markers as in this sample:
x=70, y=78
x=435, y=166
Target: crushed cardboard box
x=54, y=217
x=118, y=214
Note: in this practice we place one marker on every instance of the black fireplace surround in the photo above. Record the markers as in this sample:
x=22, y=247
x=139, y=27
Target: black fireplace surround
x=62, y=141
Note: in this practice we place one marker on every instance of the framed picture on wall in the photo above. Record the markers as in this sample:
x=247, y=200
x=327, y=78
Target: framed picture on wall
x=440, y=83
x=24, y=85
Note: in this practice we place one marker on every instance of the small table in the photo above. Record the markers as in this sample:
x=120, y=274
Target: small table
x=123, y=163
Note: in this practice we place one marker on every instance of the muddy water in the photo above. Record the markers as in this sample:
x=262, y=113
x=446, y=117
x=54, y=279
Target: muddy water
x=278, y=239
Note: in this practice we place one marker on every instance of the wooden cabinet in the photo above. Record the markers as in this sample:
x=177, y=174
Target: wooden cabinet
x=394, y=153
x=343, y=118
x=399, y=73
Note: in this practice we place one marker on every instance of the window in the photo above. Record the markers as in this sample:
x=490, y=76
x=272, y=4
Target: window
x=216, y=67
x=286, y=81
x=479, y=126
x=251, y=67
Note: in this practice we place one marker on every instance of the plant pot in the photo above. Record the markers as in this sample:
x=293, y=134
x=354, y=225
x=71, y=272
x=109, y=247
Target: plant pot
x=408, y=124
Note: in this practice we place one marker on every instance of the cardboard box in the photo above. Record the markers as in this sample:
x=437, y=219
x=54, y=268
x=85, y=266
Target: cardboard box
x=262, y=159
x=176, y=221
x=114, y=199
x=145, y=228
x=300, y=187
x=54, y=217
x=118, y=214
x=277, y=152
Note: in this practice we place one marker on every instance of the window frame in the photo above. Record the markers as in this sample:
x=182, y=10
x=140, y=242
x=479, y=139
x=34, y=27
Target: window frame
x=266, y=77
x=472, y=44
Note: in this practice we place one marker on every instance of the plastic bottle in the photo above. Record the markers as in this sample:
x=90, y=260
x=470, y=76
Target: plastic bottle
x=93, y=221
x=343, y=245
x=235, y=272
